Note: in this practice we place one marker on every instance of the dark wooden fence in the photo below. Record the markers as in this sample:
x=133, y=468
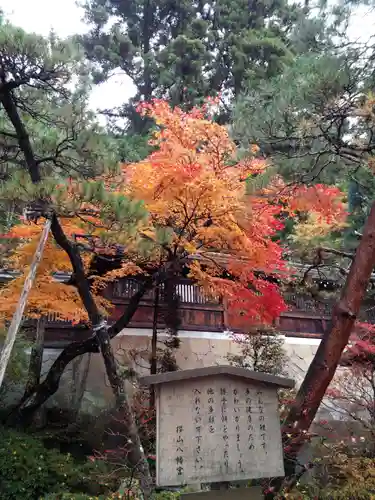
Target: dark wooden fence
x=198, y=311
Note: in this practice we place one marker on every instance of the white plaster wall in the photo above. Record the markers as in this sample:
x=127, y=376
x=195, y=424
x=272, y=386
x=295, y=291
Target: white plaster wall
x=198, y=349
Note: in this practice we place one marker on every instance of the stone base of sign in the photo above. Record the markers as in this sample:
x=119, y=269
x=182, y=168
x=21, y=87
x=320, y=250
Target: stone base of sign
x=253, y=493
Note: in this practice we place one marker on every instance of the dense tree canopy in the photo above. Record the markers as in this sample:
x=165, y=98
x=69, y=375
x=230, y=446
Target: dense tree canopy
x=185, y=51
x=185, y=206
x=45, y=84
x=315, y=121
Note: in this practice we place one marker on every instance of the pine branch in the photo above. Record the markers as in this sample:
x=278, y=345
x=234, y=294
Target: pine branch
x=257, y=183
x=83, y=285
x=336, y=252
x=5, y=133
x=23, y=138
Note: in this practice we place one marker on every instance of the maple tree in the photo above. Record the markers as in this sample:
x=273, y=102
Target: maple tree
x=185, y=208
x=187, y=205
x=47, y=295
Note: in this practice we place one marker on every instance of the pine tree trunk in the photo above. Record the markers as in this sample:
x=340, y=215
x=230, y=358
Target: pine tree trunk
x=328, y=355
x=79, y=384
x=136, y=456
x=35, y=370
x=36, y=359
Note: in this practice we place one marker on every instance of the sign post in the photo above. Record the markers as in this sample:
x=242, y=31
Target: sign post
x=217, y=424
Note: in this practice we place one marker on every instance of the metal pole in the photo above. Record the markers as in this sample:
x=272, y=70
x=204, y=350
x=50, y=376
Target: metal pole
x=17, y=317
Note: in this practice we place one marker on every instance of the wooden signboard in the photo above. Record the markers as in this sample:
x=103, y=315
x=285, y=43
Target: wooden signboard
x=217, y=424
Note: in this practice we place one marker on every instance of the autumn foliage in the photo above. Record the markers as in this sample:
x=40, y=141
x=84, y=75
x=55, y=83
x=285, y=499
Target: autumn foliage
x=352, y=392
x=186, y=205
x=48, y=295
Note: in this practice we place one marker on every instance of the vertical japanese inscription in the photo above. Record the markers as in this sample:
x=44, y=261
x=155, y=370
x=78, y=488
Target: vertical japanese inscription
x=211, y=410
x=224, y=423
x=179, y=450
x=197, y=417
x=218, y=430
x=262, y=422
x=237, y=423
x=249, y=419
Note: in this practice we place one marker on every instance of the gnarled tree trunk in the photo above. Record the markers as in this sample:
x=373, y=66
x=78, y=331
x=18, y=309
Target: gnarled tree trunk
x=36, y=358
x=328, y=355
x=35, y=369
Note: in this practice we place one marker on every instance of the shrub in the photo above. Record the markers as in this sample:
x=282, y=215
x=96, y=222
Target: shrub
x=28, y=470
x=70, y=496
x=168, y=495
x=339, y=476
x=17, y=367
x=164, y=495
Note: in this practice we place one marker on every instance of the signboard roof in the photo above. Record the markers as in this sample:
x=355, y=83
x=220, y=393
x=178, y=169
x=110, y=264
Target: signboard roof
x=230, y=371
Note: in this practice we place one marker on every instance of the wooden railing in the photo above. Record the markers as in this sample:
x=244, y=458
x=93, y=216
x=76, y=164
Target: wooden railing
x=197, y=309
x=201, y=312
x=187, y=292
x=307, y=304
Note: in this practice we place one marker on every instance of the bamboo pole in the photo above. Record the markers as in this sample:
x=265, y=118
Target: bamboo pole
x=17, y=317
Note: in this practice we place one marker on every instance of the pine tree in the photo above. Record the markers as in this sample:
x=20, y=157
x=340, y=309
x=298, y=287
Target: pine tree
x=45, y=82
x=185, y=50
x=50, y=137
x=315, y=121
x=44, y=96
